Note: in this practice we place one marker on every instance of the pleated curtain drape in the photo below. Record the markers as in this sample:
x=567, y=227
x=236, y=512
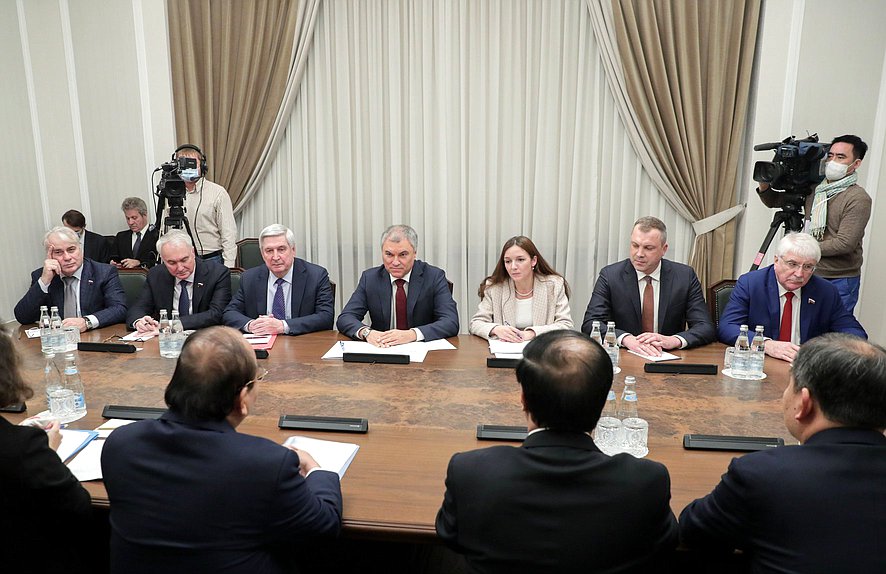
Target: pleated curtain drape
x=687, y=68
x=233, y=61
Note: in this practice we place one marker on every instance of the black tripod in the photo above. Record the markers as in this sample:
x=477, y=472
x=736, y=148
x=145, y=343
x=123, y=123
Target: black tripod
x=791, y=216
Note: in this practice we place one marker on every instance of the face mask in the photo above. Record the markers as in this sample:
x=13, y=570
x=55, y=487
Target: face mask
x=191, y=174
x=834, y=170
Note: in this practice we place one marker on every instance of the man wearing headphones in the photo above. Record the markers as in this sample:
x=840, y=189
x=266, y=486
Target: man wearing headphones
x=209, y=210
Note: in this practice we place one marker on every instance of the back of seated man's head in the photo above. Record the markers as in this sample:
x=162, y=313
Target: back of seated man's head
x=565, y=378
x=846, y=376
x=74, y=219
x=214, y=366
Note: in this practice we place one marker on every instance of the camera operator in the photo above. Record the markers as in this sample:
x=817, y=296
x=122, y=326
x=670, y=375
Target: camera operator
x=837, y=214
x=209, y=210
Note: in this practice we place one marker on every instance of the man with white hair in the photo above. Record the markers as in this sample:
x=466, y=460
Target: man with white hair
x=88, y=294
x=198, y=289
x=286, y=295
x=791, y=303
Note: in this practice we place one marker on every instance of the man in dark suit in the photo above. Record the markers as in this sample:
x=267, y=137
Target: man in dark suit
x=88, y=294
x=407, y=300
x=761, y=297
x=558, y=504
x=189, y=493
x=819, y=506
x=199, y=290
x=651, y=299
x=287, y=295
x=137, y=246
x=95, y=246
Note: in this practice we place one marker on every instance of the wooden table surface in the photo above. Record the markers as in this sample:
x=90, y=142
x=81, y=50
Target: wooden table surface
x=422, y=413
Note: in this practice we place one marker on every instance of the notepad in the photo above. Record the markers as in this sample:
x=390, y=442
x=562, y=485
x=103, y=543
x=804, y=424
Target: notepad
x=330, y=455
x=73, y=441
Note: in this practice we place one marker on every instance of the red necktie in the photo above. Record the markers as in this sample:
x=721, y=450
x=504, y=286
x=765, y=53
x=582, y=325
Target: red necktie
x=784, y=333
x=647, y=315
x=402, y=324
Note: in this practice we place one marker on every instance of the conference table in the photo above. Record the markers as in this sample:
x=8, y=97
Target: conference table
x=421, y=413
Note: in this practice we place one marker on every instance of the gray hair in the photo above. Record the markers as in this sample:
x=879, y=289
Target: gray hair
x=846, y=376
x=398, y=233
x=136, y=203
x=275, y=229
x=174, y=237
x=647, y=223
x=64, y=233
x=800, y=244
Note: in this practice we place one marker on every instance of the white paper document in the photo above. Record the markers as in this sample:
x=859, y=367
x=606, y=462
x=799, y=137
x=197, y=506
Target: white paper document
x=138, y=337
x=665, y=356
x=330, y=455
x=87, y=465
x=506, y=350
x=73, y=441
x=416, y=351
x=106, y=427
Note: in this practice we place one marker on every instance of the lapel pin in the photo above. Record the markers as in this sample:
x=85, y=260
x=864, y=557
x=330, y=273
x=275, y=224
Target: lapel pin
x=811, y=301
x=89, y=281
x=199, y=284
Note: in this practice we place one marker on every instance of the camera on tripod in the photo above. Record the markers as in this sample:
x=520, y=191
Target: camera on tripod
x=795, y=170
x=171, y=189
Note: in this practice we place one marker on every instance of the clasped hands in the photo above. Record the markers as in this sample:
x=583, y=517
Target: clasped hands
x=650, y=344
x=390, y=338
x=510, y=334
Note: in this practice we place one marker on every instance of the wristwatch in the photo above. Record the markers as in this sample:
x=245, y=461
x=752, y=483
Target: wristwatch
x=363, y=332
x=89, y=324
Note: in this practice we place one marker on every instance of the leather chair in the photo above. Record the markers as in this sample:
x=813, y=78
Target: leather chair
x=248, y=253
x=133, y=281
x=236, y=273
x=718, y=297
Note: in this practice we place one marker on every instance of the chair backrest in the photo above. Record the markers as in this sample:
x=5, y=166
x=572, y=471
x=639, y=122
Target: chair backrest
x=236, y=273
x=248, y=253
x=451, y=286
x=332, y=285
x=133, y=281
x=718, y=297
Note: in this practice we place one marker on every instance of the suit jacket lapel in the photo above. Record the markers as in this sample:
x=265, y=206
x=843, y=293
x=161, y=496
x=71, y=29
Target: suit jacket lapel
x=86, y=288
x=197, y=288
x=773, y=301
x=262, y=303
x=299, y=282
x=632, y=287
x=509, y=303
x=664, y=293
x=540, y=299
x=383, y=294
x=808, y=312
x=416, y=284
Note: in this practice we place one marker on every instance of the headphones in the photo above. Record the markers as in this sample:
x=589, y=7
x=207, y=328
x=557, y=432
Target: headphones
x=204, y=168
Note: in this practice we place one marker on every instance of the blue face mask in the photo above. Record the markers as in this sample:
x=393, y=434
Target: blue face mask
x=190, y=174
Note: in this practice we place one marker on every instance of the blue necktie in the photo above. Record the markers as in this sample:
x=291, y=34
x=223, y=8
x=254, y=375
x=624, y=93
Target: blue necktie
x=183, y=300
x=137, y=244
x=279, y=307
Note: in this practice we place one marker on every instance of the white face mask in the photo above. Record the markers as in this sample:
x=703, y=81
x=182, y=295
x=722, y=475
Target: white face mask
x=834, y=170
x=190, y=174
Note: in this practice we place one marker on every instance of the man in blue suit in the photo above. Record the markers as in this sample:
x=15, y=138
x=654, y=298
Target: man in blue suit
x=287, y=296
x=819, y=506
x=813, y=304
x=656, y=304
x=198, y=289
x=191, y=494
x=88, y=294
x=407, y=300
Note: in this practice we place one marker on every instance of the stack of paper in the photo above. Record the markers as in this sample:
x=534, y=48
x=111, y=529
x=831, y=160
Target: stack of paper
x=503, y=350
x=330, y=455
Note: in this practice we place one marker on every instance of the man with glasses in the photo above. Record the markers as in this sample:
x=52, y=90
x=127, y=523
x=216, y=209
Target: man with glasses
x=191, y=494
x=791, y=303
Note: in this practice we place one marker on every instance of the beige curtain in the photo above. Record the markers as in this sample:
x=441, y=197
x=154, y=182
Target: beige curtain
x=687, y=71
x=231, y=61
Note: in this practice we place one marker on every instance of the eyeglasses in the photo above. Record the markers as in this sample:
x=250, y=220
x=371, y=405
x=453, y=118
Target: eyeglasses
x=793, y=265
x=257, y=379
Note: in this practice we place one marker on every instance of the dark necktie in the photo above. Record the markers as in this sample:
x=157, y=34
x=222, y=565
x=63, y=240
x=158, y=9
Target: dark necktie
x=402, y=323
x=786, y=329
x=279, y=307
x=70, y=298
x=184, y=302
x=647, y=316
x=137, y=244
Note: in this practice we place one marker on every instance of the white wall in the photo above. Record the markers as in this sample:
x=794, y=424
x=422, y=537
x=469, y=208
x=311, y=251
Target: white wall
x=821, y=73
x=86, y=115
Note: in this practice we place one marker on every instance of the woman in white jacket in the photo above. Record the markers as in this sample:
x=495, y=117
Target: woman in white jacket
x=523, y=297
